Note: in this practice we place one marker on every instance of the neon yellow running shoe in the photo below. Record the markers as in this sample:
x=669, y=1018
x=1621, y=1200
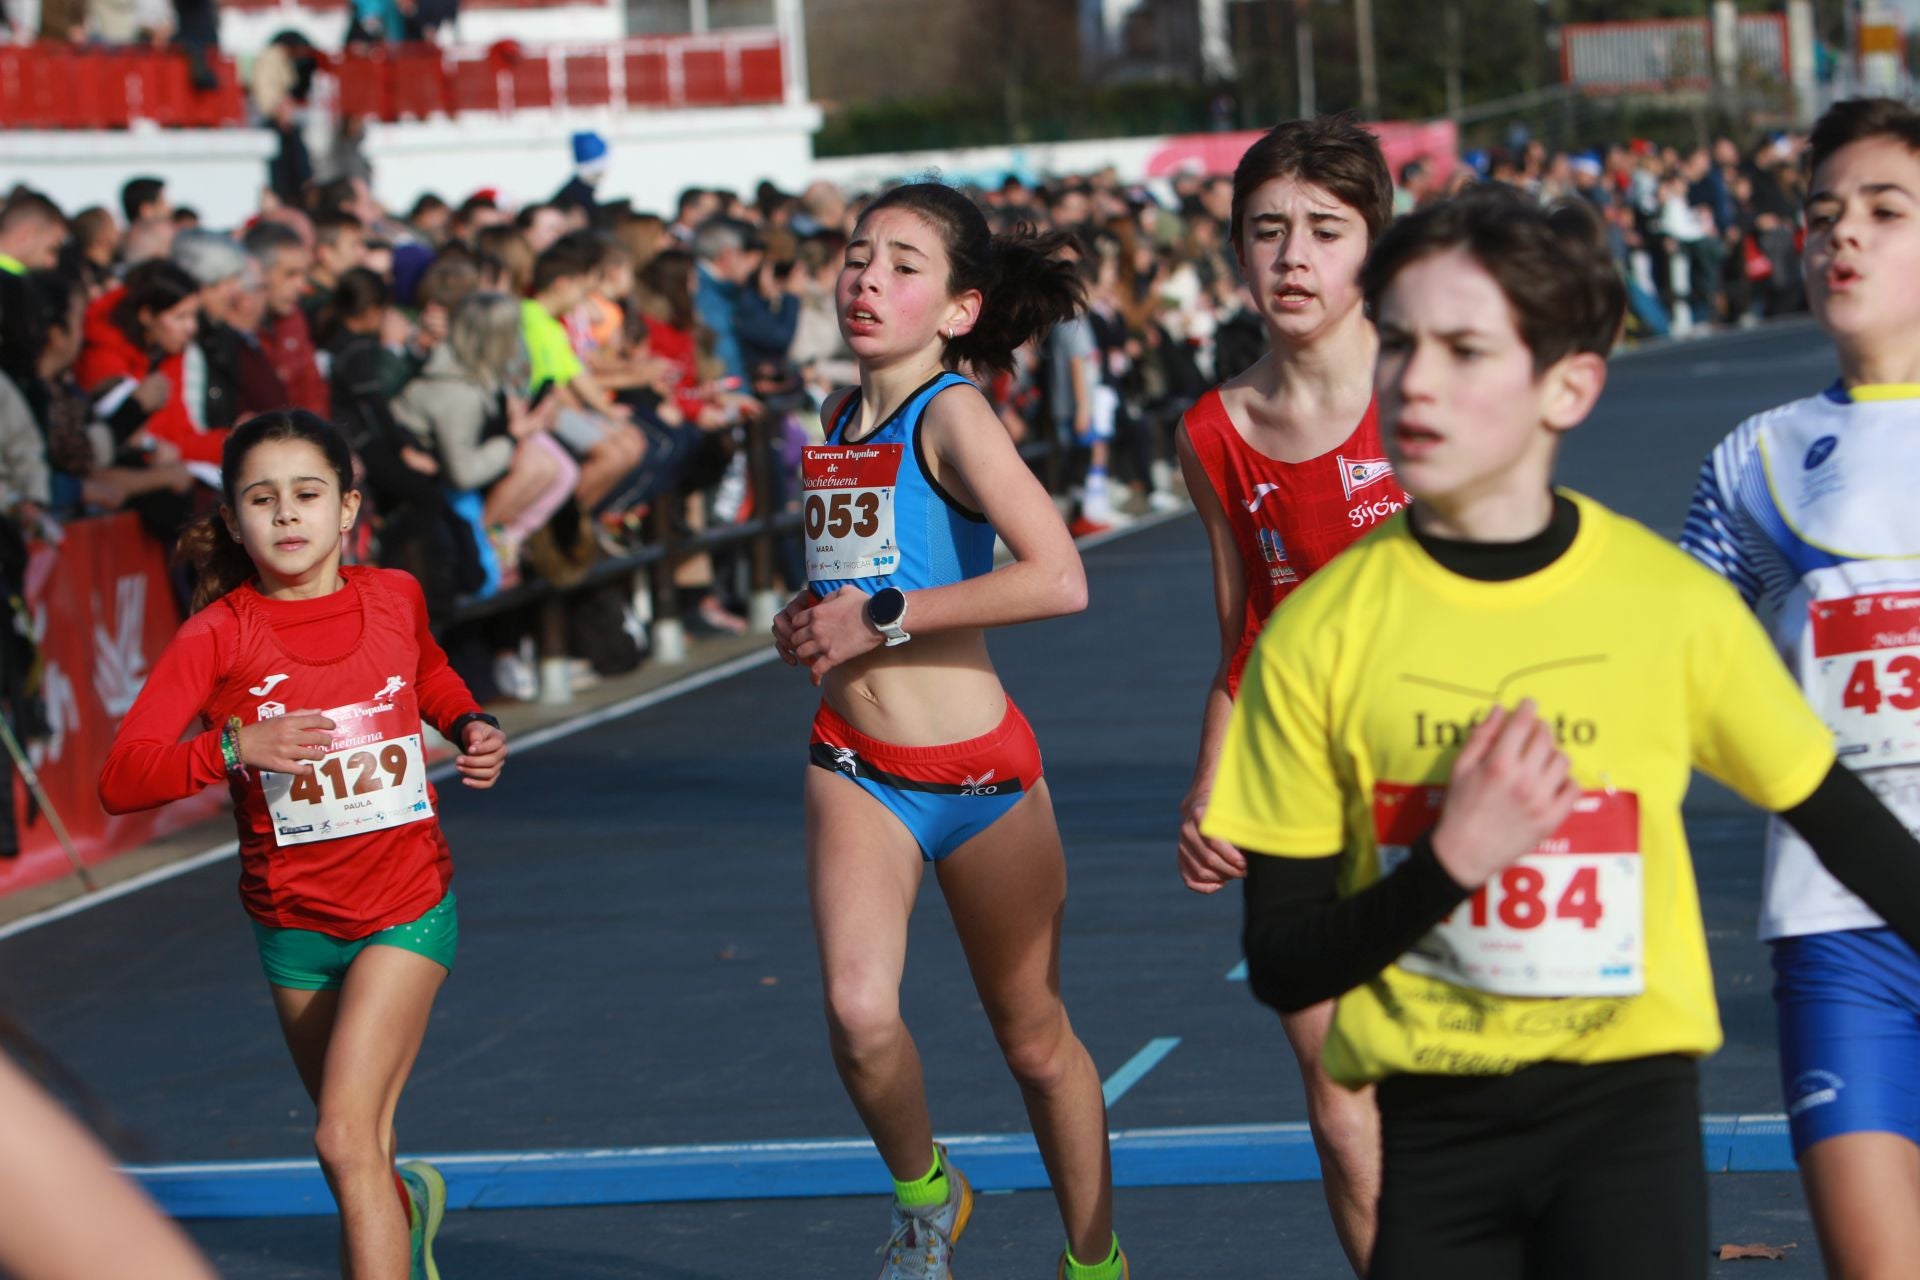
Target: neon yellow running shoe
x=1122, y=1274
x=427, y=1193
x=921, y=1246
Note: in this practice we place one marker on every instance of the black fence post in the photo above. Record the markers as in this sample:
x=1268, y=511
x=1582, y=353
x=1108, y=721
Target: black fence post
x=762, y=603
x=668, y=634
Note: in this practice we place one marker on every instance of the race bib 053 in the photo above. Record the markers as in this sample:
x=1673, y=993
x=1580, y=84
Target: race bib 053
x=1565, y=920
x=846, y=508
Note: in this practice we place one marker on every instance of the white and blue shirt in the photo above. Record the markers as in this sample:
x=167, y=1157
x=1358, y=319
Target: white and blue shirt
x=1812, y=511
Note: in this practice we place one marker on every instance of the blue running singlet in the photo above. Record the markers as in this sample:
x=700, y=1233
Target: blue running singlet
x=875, y=517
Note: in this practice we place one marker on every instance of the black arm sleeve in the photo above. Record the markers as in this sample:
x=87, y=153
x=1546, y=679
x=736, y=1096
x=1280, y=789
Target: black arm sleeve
x=1305, y=943
x=1865, y=846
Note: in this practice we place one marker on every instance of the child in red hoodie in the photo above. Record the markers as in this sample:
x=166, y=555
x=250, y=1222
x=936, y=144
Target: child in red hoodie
x=343, y=867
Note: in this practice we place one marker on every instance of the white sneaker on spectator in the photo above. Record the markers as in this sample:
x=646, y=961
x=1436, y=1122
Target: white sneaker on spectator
x=515, y=677
x=1161, y=500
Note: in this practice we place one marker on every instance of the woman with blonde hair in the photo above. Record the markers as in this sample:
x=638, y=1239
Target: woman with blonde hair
x=488, y=438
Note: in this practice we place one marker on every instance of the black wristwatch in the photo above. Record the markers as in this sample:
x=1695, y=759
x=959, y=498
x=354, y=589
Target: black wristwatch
x=456, y=732
x=887, y=611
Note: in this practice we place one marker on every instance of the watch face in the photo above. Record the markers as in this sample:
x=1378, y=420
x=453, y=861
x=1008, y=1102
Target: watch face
x=886, y=606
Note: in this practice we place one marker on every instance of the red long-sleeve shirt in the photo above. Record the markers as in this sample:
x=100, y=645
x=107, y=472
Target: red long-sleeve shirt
x=288, y=343
x=364, y=649
x=676, y=346
x=109, y=355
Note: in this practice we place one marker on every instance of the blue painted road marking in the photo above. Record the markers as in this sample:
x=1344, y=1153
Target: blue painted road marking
x=1199, y=1156
x=1133, y=1069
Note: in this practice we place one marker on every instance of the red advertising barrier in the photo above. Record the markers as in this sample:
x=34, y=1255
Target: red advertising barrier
x=103, y=610
x=1437, y=142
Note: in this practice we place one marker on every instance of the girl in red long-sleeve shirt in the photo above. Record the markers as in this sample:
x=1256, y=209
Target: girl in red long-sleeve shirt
x=311, y=681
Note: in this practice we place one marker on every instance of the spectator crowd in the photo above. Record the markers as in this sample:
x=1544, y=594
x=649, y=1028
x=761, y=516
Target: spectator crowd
x=531, y=389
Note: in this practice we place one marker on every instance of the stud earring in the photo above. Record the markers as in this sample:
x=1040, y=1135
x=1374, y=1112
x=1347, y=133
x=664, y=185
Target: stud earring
x=947, y=333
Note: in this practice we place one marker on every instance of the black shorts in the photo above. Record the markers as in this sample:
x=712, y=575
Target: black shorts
x=1557, y=1172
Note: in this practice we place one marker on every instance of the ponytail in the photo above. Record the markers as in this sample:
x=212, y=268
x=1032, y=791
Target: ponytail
x=215, y=558
x=207, y=547
x=1025, y=286
x=1031, y=289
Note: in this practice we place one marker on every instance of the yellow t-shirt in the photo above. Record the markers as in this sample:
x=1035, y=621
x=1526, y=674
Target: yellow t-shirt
x=1354, y=705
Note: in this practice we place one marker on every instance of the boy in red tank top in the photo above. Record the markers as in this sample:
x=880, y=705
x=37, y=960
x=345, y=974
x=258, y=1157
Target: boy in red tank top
x=343, y=867
x=1286, y=468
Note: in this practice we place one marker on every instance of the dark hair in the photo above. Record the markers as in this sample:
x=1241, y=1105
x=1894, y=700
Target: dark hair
x=266, y=239
x=156, y=285
x=450, y=277
x=137, y=194
x=218, y=561
x=1858, y=119
x=1553, y=266
x=688, y=198
x=667, y=283
x=1329, y=151
x=1026, y=287
x=334, y=197
x=31, y=205
x=574, y=254
x=427, y=203
x=357, y=292
x=472, y=205
x=330, y=224
x=508, y=244
x=89, y=222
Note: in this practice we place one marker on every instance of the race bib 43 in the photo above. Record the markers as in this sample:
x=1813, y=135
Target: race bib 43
x=846, y=508
x=1565, y=920
x=1865, y=679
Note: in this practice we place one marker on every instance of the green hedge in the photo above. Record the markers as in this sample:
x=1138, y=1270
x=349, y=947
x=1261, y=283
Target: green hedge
x=1046, y=114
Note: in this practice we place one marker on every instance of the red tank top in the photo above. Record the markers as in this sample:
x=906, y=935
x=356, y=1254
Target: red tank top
x=1289, y=518
x=352, y=884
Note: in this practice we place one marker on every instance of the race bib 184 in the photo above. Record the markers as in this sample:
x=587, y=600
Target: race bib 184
x=846, y=508
x=1565, y=920
x=1865, y=679
x=367, y=782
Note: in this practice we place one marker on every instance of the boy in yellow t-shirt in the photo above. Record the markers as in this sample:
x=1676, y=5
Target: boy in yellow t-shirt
x=1458, y=758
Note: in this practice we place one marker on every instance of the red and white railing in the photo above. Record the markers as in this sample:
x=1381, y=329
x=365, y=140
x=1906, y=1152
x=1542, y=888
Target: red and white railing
x=58, y=86
x=418, y=82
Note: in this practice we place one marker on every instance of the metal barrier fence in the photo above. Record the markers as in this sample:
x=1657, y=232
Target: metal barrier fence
x=1645, y=55
x=664, y=553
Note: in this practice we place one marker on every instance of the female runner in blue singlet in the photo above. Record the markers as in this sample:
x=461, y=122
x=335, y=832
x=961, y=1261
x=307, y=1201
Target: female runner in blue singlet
x=919, y=755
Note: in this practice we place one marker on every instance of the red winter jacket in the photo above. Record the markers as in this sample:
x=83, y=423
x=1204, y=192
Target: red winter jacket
x=109, y=355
